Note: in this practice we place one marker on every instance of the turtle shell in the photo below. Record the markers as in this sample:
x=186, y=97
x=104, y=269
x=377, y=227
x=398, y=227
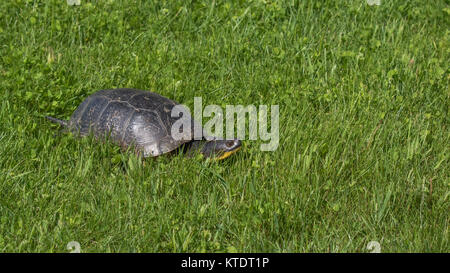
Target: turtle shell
x=130, y=117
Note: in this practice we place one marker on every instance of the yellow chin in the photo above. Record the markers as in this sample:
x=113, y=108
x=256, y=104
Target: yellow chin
x=227, y=154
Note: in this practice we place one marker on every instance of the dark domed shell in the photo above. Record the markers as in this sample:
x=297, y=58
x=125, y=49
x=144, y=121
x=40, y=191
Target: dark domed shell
x=129, y=117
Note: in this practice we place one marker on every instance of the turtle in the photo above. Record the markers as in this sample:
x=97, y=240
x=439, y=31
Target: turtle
x=142, y=120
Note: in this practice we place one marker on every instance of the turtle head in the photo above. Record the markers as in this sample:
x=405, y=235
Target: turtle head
x=218, y=148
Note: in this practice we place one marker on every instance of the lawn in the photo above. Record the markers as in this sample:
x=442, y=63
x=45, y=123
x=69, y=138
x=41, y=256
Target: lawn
x=363, y=95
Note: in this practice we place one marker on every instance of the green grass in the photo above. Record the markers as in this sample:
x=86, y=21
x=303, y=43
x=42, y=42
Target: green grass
x=364, y=126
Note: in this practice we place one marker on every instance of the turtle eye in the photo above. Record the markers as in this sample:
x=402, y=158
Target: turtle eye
x=229, y=143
